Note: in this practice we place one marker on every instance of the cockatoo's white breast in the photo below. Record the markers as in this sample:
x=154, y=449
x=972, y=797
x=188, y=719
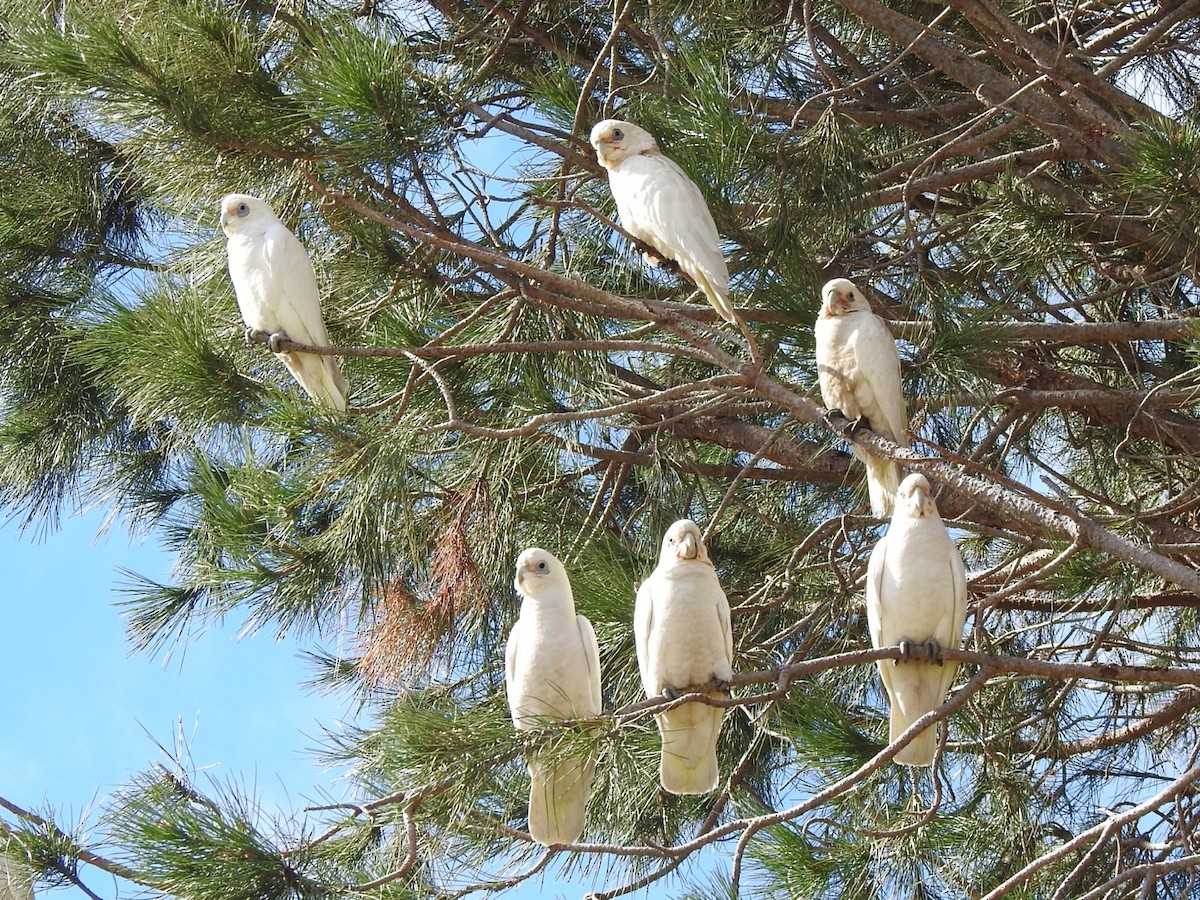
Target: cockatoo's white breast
x=854, y=355
x=551, y=676
x=918, y=584
x=687, y=643
x=258, y=292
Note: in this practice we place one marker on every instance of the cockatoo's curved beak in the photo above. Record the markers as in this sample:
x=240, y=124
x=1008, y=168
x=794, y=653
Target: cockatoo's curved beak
x=526, y=571
x=837, y=304
x=228, y=216
x=919, y=501
x=688, y=549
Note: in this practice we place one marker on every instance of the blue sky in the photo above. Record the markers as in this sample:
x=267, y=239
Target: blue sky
x=82, y=716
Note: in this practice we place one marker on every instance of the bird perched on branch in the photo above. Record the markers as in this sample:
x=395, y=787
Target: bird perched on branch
x=660, y=205
x=276, y=292
x=916, y=594
x=552, y=672
x=684, y=638
x=858, y=370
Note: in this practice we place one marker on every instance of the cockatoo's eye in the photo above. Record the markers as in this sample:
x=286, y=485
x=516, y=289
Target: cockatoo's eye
x=617, y=134
x=542, y=566
x=243, y=210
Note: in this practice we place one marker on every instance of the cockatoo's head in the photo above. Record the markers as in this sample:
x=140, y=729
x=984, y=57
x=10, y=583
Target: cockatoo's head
x=683, y=541
x=244, y=214
x=538, y=571
x=616, y=140
x=914, y=498
x=842, y=296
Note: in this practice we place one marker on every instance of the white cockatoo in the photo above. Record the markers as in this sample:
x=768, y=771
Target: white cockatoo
x=684, y=638
x=276, y=292
x=16, y=882
x=916, y=594
x=659, y=204
x=552, y=671
x=858, y=370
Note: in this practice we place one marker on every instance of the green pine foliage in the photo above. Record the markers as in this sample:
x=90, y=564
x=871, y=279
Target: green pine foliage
x=520, y=376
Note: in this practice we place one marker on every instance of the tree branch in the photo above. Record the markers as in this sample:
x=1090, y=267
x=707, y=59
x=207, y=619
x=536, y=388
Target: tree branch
x=80, y=852
x=1036, y=514
x=783, y=676
x=1100, y=833
x=1184, y=702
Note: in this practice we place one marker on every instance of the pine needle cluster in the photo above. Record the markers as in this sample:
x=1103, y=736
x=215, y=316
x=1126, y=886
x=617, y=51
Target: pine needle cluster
x=992, y=174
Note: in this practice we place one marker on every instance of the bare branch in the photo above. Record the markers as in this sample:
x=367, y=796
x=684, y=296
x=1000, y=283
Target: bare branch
x=1100, y=833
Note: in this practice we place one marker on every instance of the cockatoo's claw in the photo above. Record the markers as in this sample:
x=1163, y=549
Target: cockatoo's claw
x=905, y=652
x=722, y=684
x=651, y=257
x=831, y=415
x=934, y=649
x=274, y=339
x=248, y=336
x=665, y=263
x=672, y=693
x=859, y=424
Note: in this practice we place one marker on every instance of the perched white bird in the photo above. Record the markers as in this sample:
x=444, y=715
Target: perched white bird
x=858, y=370
x=276, y=292
x=16, y=882
x=659, y=204
x=683, y=637
x=916, y=594
x=552, y=671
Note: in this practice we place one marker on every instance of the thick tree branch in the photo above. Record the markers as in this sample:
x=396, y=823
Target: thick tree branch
x=1182, y=704
x=783, y=676
x=1030, y=512
x=942, y=52
x=1165, y=329
x=1052, y=605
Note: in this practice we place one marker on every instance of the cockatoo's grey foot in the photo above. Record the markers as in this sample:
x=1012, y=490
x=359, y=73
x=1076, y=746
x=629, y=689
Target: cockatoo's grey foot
x=274, y=339
x=722, y=684
x=651, y=257
x=934, y=649
x=859, y=424
x=249, y=336
x=834, y=413
x=672, y=693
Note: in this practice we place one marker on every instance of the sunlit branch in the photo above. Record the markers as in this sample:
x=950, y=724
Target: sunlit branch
x=1100, y=833
x=81, y=853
